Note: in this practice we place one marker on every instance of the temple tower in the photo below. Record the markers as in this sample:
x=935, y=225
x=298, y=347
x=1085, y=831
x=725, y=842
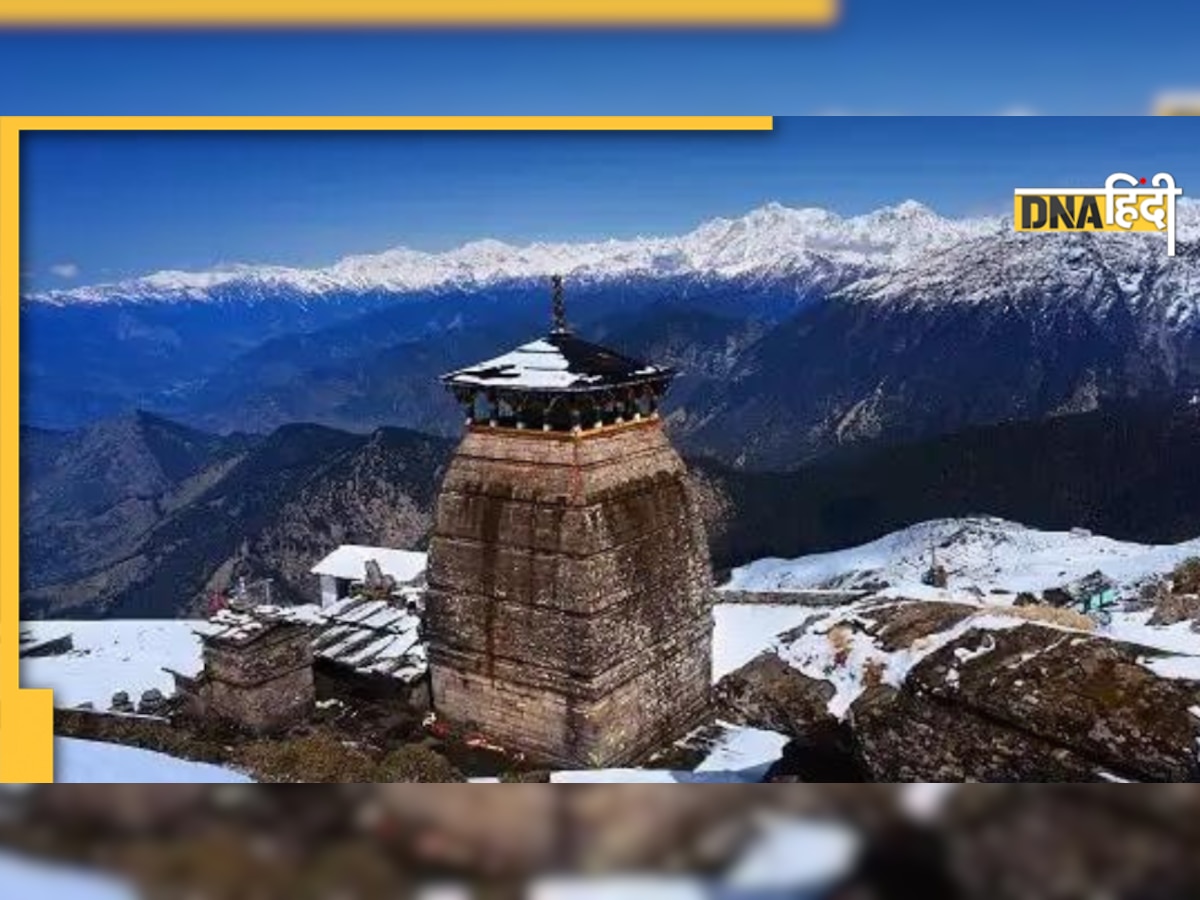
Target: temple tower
x=569, y=613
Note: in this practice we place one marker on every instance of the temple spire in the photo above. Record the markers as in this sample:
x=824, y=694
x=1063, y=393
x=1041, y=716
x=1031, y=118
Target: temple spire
x=559, y=306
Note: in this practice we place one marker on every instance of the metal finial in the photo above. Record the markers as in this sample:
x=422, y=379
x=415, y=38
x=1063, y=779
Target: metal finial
x=559, y=306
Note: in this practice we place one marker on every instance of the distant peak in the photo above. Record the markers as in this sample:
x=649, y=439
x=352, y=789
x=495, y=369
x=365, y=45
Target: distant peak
x=907, y=209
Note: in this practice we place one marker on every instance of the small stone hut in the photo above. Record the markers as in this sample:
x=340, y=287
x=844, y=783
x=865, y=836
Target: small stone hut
x=258, y=672
x=569, y=610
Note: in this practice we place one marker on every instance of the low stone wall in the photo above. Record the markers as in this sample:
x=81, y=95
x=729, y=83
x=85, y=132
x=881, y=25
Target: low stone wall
x=813, y=598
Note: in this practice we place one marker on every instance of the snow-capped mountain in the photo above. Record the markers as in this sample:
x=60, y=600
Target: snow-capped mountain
x=997, y=327
x=772, y=241
x=898, y=324
x=1008, y=269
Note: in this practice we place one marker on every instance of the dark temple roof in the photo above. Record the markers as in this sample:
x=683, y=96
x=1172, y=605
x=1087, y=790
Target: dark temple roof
x=558, y=362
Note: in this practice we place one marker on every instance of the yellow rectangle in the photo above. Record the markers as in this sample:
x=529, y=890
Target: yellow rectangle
x=418, y=12
x=1075, y=201
x=26, y=716
x=1178, y=105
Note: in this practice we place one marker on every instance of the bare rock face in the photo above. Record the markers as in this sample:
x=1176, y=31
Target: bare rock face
x=768, y=693
x=1031, y=704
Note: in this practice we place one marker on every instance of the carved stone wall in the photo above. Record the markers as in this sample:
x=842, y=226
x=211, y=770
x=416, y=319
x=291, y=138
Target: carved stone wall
x=570, y=610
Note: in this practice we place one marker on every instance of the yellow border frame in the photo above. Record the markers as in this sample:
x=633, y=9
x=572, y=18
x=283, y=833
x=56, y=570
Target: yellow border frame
x=454, y=13
x=26, y=715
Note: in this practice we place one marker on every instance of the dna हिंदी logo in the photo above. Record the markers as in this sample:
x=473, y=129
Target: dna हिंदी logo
x=1124, y=203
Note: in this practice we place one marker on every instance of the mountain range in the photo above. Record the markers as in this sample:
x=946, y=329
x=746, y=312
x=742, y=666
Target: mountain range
x=771, y=242
x=797, y=333
x=142, y=517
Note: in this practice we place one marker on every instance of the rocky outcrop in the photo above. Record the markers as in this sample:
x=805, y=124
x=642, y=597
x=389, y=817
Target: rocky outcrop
x=1031, y=704
x=774, y=696
x=1172, y=609
x=1001, y=700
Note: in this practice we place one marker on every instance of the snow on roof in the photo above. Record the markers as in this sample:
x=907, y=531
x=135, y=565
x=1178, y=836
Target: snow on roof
x=559, y=362
x=349, y=561
x=374, y=637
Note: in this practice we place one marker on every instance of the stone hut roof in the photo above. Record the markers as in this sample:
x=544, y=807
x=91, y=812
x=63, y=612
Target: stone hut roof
x=368, y=636
x=349, y=562
x=372, y=637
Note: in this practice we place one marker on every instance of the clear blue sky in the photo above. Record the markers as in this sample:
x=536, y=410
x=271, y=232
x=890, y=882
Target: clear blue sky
x=104, y=206
x=887, y=56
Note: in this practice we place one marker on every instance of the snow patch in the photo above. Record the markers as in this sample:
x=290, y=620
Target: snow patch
x=93, y=762
x=24, y=877
x=119, y=655
x=744, y=630
x=834, y=650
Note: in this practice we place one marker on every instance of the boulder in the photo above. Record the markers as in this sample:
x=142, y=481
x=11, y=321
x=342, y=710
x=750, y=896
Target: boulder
x=1186, y=577
x=1031, y=703
x=767, y=693
x=1174, y=608
x=121, y=703
x=944, y=697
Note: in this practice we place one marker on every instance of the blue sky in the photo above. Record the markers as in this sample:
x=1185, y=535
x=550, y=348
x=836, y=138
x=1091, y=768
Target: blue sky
x=103, y=206
x=886, y=56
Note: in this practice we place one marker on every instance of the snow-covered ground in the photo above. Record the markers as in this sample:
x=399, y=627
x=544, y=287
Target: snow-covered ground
x=739, y=756
x=93, y=762
x=980, y=552
x=986, y=558
x=26, y=878
x=109, y=656
x=981, y=555
x=131, y=655
x=744, y=630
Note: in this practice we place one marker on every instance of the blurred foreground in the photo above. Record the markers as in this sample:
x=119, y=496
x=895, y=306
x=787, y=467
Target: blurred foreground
x=793, y=840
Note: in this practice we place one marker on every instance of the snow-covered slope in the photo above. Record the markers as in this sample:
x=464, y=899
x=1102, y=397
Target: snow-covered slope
x=774, y=240
x=128, y=655
x=93, y=762
x=1100, y=272
x=983, y=552
x=990, y=557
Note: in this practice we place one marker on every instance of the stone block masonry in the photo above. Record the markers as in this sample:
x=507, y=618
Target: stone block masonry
x=569, y=613
x=260, y=680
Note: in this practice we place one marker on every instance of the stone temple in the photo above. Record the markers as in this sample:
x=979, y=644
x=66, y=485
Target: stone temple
x=569, y=613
